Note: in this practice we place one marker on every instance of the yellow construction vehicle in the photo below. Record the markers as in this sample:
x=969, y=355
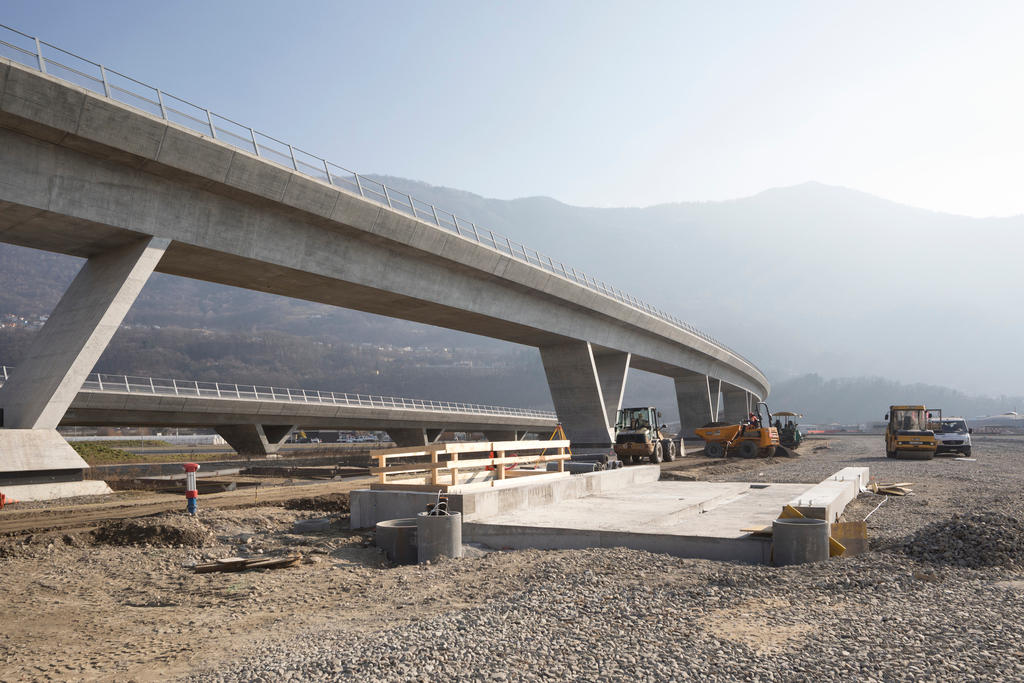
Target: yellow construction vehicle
x=907, y=435
x=749, y=439
x=638, y=436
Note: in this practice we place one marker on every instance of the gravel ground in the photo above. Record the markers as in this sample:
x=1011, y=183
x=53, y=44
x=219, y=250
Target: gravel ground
x=912, y=609
x=939, y=597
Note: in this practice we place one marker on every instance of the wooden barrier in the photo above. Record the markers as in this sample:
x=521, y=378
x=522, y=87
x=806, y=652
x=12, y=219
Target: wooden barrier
x=455, y=465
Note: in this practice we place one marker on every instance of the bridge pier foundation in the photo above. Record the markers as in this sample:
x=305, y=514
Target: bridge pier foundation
x=35, y=398
x=697, y=398
x=255, y=439
x=586, y=387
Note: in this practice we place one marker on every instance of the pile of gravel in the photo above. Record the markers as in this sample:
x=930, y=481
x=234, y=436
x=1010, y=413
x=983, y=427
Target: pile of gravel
x=332, y=502
x=156, y=531
x=973, y=540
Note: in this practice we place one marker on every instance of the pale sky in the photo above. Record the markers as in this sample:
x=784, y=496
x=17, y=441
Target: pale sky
x=598, y=103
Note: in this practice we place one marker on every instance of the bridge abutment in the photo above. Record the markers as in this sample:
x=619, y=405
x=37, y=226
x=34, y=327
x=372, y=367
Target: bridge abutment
x=586, y=387
x=35, y=398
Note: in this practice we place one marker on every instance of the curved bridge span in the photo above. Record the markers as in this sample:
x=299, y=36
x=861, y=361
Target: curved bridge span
x=128, y=178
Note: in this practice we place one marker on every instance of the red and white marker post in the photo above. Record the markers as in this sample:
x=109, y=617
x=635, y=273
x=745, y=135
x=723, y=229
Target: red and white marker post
x=191, y=491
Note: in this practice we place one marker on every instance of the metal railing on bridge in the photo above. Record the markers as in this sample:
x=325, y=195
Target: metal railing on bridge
x=150, y=386
x=126, y=90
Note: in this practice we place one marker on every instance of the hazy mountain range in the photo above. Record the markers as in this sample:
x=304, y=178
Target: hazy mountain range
x=810, y=279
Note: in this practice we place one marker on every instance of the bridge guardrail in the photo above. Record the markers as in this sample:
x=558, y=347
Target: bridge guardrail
x=126, y=90
x=150, y=386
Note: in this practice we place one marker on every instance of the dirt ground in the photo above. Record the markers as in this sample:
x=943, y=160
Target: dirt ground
x=120, y=601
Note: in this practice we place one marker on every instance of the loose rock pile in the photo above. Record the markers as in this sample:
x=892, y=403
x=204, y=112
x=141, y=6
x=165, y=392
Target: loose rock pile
x=170, y=531
x=333, y=502
x=980, y=539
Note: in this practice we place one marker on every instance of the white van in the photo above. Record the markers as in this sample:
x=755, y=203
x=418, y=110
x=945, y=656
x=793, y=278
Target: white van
x=952, y=435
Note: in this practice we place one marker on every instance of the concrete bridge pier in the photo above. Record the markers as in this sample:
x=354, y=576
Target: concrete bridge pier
x=257, y=440
x=737, y=404
x=697, y=398
x=413, y=436
x=586, y=385
x=35, y=398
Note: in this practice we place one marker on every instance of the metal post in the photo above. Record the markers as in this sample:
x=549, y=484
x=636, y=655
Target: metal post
x=106, y=86
x=509, y=243
x=217, y=385
x=99, y=381
x=295, y=164
x=386, y=195
x=163, y=109
x=330, y=180
x=359, y=184
x=127, y=387
x=152, y=387
x=174, y=383
x=213, y=128
x=475, y=233
x=455, y=219
x=39, y=55
x=197, y=389
x=255, y=145
x=289, y=393
x=436, y=219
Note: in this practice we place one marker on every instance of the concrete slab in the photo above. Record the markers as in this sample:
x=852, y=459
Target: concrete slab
x=685, y=519
x=861, y=475
x=67, y=489
x=827, y=500
x=371, y=506
x=24, y=450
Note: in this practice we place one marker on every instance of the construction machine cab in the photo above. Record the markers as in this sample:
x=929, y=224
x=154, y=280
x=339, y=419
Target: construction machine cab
x=789, y=434
x=908, y=434
x=639, y=435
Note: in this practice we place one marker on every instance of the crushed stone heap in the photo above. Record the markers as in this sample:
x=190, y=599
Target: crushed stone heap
x=977, y=539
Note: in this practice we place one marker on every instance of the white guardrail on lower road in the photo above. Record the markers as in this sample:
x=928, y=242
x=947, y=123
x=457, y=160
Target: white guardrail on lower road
x=29, y=51
x=150, y=386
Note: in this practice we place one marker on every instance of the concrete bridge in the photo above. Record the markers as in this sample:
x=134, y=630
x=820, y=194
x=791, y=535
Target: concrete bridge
x=256, y=420
x=133, y=180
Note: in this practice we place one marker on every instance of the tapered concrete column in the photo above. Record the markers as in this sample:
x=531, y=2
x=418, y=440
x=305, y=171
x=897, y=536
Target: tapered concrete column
x=697, y=398
x=737, y=404
x=77, y=332
x=39, y=392
x=586, y=389
x=255, y=440
x=404, y=437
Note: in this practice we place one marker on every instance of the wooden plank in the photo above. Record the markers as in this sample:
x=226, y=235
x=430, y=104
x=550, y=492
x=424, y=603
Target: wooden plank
x=433, y=472
x=415, y=467
x=528, y=445
x=427, y=487
x=501, y=467
x=853, y=535
x=402, y=450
